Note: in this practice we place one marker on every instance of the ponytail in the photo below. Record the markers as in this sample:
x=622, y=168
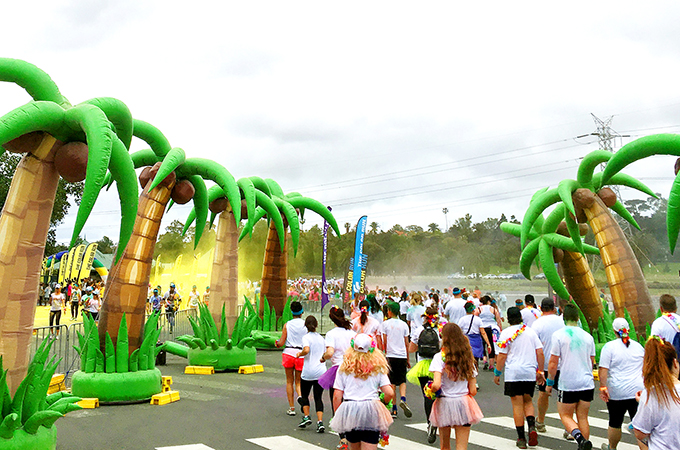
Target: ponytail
x=363, y=306
x=337, y=315
x=657, y=370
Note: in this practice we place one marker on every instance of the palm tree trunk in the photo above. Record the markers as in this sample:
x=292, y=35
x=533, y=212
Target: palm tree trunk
x=24, y=224
x=224, y=277
x=581, y=285
x=625, y=278
x=126, y=289
x=275, y=272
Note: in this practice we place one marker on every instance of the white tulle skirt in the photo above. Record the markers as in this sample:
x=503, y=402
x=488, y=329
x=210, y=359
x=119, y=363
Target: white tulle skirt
x=455, y=411
x=368, y=415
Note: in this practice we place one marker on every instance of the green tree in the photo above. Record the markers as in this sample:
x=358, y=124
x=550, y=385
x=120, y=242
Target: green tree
x=106, y=245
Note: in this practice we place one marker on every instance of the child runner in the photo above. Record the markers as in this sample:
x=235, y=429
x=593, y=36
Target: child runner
x=455, y=373
x=312, y=349
x=620, y=373
x=657, y=422
x=520, y=353
x=364, y=323
x=393, y=341
x=359, y=414
x=545, y=326
x=574, y=351
x=425, y=341
x=291, y=337
x=337, y=342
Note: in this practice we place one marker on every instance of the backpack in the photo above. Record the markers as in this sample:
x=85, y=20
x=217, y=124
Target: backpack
x=428, y=343
x=676, y=344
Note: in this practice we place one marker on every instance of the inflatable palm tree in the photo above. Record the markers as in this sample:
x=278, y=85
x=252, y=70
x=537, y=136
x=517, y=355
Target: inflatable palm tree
x=78, y=142
x=167, y=174
x=549, y=244
x=586, y=199
x=224, y=278
x=275, y=270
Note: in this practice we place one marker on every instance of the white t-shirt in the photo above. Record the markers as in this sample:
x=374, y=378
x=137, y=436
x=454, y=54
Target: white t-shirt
x=313, y=367
x=488, y=316
x=377, y=316
x=455, y=309
x=357, y=389
x=545, y=327
x=295, y=329
x=529, y=315
x=394, y=331
x=450, y=388
x=664, y=327
x=339, y=339
x=470, y=319
x=193, y=298
x=662, y=423
x=415, y=315
x=575, y=348
x=371, y=327
x=403, y=306
x=93, y=304
x=625, y=368
x=57, y=301
x=521, y=364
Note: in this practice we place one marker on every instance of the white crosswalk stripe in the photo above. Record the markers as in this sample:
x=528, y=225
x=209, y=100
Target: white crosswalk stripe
x=283, y=443
x=593, y=421
x=480, y=439
x=186, y=447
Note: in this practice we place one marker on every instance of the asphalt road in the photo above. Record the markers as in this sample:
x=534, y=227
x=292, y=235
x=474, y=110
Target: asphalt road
x=224, y=410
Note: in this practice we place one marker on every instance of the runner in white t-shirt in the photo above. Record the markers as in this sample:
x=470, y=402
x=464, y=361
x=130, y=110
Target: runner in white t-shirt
x=364, y=323
x=530, y=313
x=194, y=298
x=520, y=354
x=668, y=325
x=393, y=340
x=657, y=422
x=291, y=338
x=545, y=326
x=455, y=308
x=574, y=351
x=57, y=302
x=313, y=347
x=620, y=374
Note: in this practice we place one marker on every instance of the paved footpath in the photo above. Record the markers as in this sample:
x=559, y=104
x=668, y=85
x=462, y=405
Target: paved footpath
x=247, y=412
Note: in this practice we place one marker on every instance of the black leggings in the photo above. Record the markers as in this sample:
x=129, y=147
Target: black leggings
x=305, y=387
x=55, y=316
x=426, y=401
x=74, y=310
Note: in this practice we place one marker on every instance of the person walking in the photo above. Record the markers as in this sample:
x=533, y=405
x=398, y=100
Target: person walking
x=312, y=349
x=206, y=295
x=393, y=340
x=414, y=315
x=365, y=323
x=425, y=342
x=455, y=307
x=471, y=326
x=530, y=313
x=57, y=302
x=668, y=325
x=75, y=301
x=545, y=326
x=359, y=413
x=520, y=355
x=94, y=304
x=194, y=299
x=455, y=374
x=291, y=340
x=491, y=326
x=573, y=350
x=657, y=421
x=620, y=371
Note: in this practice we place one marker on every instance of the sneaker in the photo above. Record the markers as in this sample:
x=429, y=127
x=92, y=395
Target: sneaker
x=605, y=447
x=291, y=411
x=585, y=445
x=394, y=413
x=431, y=434
x=568, y=436
x=407, y=410
x=319, y=427
x=486, y=367
x=343, y=445
x=533, y=438
x=521, y=443
x=540, y=427
x=306, y=420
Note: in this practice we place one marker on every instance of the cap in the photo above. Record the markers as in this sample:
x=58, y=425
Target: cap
x=363, y=343
x=172, y=285
x=456, y=291
x=193, y=287
x=620, y=323
x=96, y=292
x=155, y=291
x=58, y=286
x=88, y=289
x=207, y=287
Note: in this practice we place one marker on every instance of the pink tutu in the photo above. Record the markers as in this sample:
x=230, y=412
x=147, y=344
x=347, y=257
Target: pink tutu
x=327, y=380
x=369, y=415
x=455, y=411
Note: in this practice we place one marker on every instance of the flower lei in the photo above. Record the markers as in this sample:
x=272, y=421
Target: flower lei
x=503, y=344
x=672, y=318
x=429, y=393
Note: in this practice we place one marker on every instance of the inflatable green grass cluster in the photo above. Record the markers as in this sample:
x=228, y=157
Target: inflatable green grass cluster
x=28, y=418
x=268, y=329
x=115, y=375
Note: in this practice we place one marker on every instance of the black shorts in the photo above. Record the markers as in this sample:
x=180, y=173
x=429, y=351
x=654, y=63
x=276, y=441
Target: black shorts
x=571, y=397
x=370, y=437
x=617, y=409
x=397, y=373
x=557, y=377
x=515, y=388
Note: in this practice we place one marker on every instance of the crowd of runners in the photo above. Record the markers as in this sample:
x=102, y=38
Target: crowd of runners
x=454, y=337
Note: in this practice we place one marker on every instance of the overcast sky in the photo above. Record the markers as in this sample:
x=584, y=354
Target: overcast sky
x=391, y=109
